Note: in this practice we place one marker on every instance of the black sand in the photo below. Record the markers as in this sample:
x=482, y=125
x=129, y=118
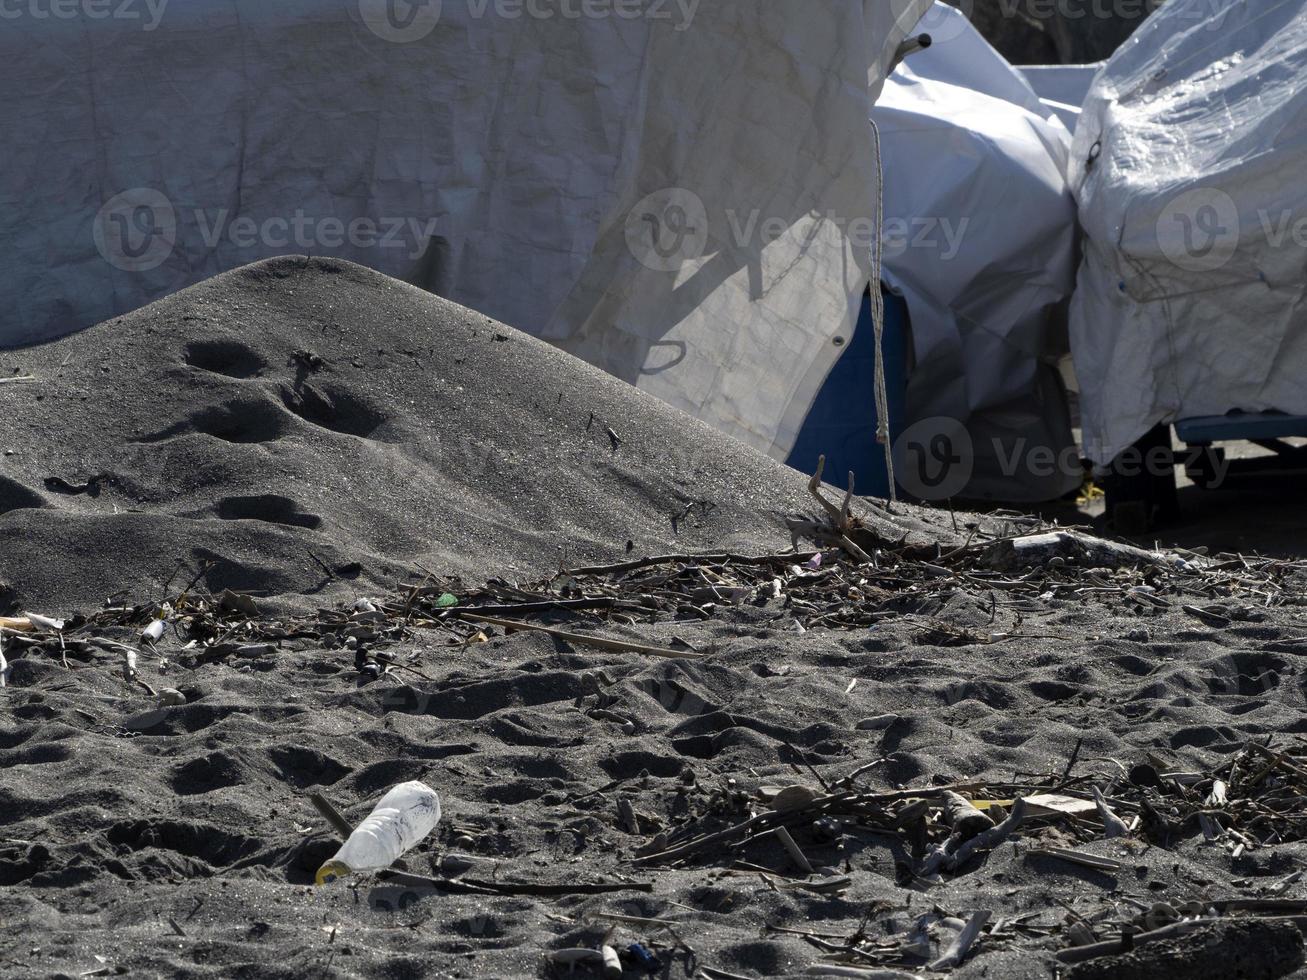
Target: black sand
x=180, y=843
x=312, y=428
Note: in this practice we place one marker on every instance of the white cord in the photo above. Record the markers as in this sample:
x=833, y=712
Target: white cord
x=878, y=323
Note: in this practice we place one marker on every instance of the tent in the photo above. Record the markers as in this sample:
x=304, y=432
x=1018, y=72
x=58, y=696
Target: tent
x=676, y=191
x=1188, y=169
x=1062, y=88
x=980, y=239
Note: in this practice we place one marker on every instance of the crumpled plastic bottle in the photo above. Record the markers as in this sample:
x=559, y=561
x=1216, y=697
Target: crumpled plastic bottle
x=399, y=822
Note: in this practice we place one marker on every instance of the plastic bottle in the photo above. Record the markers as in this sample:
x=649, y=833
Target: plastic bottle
x=399, y=821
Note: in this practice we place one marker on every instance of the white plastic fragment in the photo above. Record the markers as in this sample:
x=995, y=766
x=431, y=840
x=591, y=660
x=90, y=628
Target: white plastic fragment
x=399, y=822
x=1113, y=826
x=44, y=622
x=154, y=632
x=612, y=963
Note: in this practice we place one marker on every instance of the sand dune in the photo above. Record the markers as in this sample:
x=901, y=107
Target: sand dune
x=307, y=428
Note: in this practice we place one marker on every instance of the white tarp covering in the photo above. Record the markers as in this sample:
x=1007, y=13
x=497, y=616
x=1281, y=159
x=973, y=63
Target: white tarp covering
x=674, y=190
x=1062, y=88
x=980, y=236
x=1189, y=166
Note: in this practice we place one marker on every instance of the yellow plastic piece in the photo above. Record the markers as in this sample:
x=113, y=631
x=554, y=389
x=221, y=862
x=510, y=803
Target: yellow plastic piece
x=983, y=805
x=333, y=871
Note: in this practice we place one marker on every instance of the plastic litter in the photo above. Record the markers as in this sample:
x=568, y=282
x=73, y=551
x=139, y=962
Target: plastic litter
x=399, y=821
x=643, y=958
x=154, y=632
x=612, y=963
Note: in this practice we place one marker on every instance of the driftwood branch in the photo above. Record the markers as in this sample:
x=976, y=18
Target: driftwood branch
x=581, y=639
x=955, y=852
x=716, y=559
x=961, y=946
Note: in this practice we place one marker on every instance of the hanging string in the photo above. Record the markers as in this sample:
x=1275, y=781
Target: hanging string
x=878, y=323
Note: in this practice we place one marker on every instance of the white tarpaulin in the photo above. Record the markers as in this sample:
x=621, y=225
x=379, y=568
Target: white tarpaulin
x=1062, y=88
x=664, y=187
x=1189, y=164
x=979, y=235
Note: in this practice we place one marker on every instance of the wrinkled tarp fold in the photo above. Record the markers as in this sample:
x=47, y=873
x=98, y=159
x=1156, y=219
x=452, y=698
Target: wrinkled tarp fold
x=1188, y=167
x=667, y=195
x=980, y=237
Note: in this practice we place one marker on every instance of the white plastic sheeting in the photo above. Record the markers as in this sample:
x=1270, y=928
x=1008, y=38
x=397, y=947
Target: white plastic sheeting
x=1062, y=88
x=674, y=190
x=980, y=236
x=1188, y=166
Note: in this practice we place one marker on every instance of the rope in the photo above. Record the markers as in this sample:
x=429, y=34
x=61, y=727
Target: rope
x=878, y=322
